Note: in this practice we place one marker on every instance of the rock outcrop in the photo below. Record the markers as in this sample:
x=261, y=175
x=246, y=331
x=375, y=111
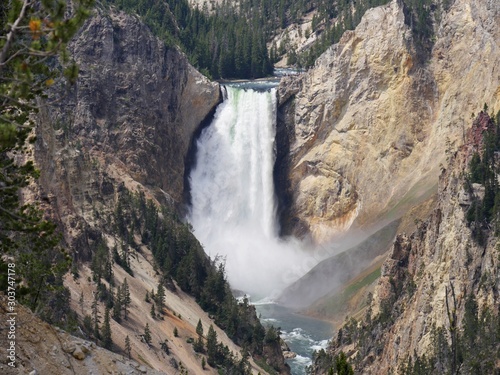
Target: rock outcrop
x=43, y=349
x=371, y=124
x=419, y=278
x=128, y=122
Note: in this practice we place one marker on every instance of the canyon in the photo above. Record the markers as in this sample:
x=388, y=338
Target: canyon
x=371, y=142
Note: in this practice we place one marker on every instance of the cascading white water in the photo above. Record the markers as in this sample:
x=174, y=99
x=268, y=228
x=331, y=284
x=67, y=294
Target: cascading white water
x=233, y=206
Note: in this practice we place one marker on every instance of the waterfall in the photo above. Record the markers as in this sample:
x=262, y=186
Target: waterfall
x=233, y=209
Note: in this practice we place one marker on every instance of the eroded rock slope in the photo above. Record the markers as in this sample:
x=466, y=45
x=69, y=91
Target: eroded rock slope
x=366, y=129
x=438, y=283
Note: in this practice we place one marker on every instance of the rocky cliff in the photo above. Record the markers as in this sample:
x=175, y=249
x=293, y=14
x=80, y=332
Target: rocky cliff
x=128, y=122
x=438, y=290
x=127, y=125
x=365, y=130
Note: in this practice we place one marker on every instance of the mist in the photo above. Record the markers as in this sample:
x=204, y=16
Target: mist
x=233, y=209
x=341, y=261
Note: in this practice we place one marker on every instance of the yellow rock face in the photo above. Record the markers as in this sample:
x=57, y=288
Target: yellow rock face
x=372, y=125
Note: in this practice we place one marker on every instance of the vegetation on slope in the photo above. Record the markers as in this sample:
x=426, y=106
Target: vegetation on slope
x=137, y=222
x=485, y=211
x=230, y=41
x=473, y=351
x=222, y=44
x=180, y=257
x=332, y=19
x=32, y=43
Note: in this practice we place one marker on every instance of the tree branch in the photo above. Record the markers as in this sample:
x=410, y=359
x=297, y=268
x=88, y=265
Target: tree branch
x=16, y=102
x=19, y=52
x=12, y=214
x=11, y=34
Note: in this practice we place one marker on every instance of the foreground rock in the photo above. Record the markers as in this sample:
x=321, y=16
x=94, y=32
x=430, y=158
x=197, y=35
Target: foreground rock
x=44, y=349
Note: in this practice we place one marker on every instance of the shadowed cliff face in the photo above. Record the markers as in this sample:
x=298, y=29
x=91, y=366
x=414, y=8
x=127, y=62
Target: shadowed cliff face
x=139, y=97
x=128, y=122
x=370, y=125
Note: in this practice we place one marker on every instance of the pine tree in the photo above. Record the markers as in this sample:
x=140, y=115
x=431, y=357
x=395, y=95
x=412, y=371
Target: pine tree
x=125, y=258
x=153, y=312
x=147, y=334
x=244, y=364
x=80, y=302
x=198, y=345
x=101, y=265
x=203, y=363
x=160, y=296
x=33, y=34
x=125, y=298
x=107, y=340
x=211, y=346
x=95, y=316
x=128, y=348
x=342, y=366
x=176, y=332
x=199, y=328
x=87, y=325
x=108, y=269
x=117, y=306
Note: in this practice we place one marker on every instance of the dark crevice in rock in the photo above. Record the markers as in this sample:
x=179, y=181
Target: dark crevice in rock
x=282, y=188
x=190, y=159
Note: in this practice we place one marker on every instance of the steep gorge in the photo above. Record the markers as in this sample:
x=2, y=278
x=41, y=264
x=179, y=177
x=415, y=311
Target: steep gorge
x=126, y=129
x=361, y=136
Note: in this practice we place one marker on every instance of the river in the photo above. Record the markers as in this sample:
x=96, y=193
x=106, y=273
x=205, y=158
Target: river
x=302, y=334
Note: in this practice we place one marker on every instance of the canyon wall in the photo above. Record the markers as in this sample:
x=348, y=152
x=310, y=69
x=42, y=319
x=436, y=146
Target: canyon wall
x=129, y=121
x=426, y=284
x=365, y=130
